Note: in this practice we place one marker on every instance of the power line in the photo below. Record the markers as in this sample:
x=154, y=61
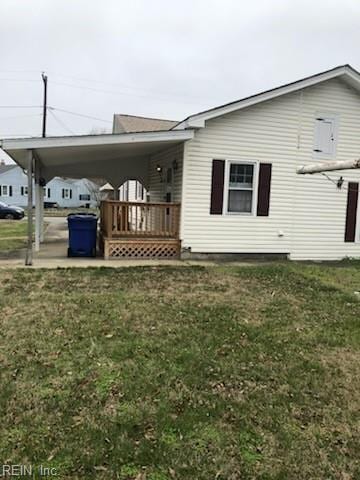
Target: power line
x=99, y=82
x=128, y=87
x=19, y=71
x=3, y=135
x=18, y=80
x=61, y=123
x=20, y=106
x=159, y=96
x=111, y=92
x=79, y=114
x=21, y=116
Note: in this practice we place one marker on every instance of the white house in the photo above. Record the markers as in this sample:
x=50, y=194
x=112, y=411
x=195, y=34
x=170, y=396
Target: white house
x=229, y=174
x=129, y=191
x=65, y=192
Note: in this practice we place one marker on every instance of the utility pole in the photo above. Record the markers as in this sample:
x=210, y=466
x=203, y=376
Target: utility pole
x=44, y=78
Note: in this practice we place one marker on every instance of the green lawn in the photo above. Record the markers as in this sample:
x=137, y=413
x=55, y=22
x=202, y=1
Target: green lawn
x=64, y=212
x=182, y=373
x=12, y=234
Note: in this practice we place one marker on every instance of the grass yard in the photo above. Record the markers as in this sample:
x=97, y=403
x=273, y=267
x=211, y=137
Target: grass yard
x=64, y=212
x=222, y=373
x=12, y=234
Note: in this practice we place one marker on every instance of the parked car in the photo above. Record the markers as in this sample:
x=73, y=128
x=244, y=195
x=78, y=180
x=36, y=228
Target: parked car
x=11, y=212
x=51, y=205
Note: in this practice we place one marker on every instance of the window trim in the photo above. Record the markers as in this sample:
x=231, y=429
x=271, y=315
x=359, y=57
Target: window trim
x=87, y=199
x=255, y=164
x=7, y=190
x=67, y=196
x=327, y=116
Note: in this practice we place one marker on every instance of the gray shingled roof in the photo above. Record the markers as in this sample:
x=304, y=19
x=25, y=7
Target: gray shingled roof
x=6, y=168
x=132, y=124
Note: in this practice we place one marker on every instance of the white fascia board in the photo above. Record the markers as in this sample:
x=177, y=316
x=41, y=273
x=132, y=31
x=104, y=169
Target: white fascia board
x=198, y=121
x=93, y=140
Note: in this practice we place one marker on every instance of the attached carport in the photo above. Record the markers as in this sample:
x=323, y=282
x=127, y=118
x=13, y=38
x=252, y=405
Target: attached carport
x=114, y=157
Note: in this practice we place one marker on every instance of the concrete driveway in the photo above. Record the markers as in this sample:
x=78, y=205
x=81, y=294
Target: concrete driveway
x=53, y=252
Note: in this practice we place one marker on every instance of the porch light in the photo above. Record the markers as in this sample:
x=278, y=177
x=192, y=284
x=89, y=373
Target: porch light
x=159, y=169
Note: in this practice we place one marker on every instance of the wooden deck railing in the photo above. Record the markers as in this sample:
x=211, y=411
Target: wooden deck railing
x=139, y=219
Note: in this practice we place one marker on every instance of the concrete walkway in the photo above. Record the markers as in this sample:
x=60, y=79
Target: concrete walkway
x=53, y=253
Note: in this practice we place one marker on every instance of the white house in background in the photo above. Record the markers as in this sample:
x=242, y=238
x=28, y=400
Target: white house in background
x=133, y=190
x=130, y=191
x=66, y=192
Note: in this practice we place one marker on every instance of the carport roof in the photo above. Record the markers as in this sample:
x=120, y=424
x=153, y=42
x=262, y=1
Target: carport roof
x=74, y=154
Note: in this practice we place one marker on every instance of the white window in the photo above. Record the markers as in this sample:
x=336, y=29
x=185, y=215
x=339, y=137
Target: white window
x=325, y=136
x=139, y=190
x=124, y=192
x=24, y=191
x=84, y=197
x=240, y=192
x=4, y=190
x=67, y=194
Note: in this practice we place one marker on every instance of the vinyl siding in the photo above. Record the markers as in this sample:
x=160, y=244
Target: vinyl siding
x=131, y=186
x=308, y=210
x=165, y=159
x=319, y=207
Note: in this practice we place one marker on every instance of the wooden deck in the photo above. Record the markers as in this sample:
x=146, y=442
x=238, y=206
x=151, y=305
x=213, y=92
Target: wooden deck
x=139, y=229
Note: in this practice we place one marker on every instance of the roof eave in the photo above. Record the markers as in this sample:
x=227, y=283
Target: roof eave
x=89, y=140
x=198, y=120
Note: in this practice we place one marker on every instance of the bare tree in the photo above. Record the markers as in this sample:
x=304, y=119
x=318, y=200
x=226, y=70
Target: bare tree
x=94, y=190
x=99, y=131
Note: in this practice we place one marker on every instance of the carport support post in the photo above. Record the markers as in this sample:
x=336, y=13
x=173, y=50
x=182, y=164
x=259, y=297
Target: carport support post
x=38, y=189
x=29, y=250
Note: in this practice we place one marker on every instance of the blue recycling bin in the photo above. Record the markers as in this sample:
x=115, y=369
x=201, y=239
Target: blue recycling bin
x=82, y=234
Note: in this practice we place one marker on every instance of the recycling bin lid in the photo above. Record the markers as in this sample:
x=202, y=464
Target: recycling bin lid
x=82, y=217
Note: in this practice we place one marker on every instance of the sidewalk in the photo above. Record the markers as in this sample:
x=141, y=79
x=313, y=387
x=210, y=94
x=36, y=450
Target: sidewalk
x=53, y=254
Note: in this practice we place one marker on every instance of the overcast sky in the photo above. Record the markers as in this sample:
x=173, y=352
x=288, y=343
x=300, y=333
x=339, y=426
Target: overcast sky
x=159, y=58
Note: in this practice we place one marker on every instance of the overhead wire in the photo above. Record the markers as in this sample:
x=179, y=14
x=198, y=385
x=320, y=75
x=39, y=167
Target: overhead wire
x=128, y=87
x=21, y=106
x=79, y=114
x=21, y=116
x=112, y=92
x=60, y=122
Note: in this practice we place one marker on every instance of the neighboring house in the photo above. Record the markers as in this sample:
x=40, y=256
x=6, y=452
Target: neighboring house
x=67, y=193
x=130, y=191
x=133, y=190
x=132, y=123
